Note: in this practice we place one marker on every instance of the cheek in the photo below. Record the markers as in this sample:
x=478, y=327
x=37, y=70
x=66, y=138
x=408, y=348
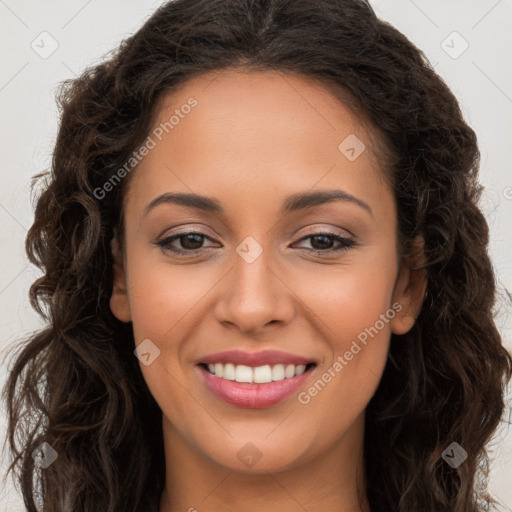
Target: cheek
x=161, y=296
x=351, y=297
x=353, y=310
x=163, y=303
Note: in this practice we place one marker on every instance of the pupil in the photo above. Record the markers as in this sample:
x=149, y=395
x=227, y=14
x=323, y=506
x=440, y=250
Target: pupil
x=189, y=238
x=322, y=245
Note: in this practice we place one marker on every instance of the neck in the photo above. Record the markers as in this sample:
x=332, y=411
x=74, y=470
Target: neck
x=195, y=483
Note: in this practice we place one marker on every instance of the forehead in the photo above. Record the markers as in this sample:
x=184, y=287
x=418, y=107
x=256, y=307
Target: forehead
x=267, y=130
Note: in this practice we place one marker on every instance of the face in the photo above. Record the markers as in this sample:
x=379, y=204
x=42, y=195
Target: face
x=262, y=267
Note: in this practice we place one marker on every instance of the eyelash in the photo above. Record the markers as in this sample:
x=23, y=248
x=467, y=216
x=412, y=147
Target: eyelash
x=346, y=243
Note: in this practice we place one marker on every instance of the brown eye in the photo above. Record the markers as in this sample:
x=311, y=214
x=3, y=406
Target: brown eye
x=322, y=242
x=191, y=242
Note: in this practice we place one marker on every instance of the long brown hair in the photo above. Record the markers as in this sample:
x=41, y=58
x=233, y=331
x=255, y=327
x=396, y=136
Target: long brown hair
x=77, y=385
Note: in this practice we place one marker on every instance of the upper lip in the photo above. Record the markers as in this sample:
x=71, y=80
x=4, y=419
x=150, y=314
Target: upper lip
x=270, y=357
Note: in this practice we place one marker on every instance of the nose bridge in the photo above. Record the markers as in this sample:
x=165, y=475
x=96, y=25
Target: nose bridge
x=252, y=269
x=253, y=295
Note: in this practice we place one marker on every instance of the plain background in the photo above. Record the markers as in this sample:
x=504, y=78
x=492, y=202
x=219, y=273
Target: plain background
x=468, y=43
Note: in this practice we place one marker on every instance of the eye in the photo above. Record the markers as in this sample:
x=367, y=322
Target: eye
x=190, y=241
x=322, y=242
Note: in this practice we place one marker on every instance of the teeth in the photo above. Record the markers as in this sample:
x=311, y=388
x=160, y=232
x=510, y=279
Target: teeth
x=243, y=373
x=299, y=370
x=258, y=374
x=218, y=370
x=262, y=374
x=289, y=371
x=278, y=372
x=228, y=372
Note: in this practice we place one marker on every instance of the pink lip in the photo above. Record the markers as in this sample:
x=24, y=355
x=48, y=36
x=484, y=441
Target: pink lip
x=253, y=359
x=253, y=396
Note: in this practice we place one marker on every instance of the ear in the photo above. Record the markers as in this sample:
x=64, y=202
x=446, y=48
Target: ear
x=119, y=304
x=410, y=288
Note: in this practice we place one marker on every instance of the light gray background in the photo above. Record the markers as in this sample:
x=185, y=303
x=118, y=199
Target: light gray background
x=480, y=76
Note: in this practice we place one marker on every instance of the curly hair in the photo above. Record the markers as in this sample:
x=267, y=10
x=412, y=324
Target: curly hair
x=76, y=383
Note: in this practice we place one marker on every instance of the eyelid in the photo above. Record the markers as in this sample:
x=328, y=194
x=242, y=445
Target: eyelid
x=326, y=230
x=180, y=229
x=345, y=242
x=192, y=229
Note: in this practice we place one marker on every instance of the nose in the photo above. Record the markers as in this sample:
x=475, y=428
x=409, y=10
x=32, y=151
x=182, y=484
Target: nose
x=253, y=296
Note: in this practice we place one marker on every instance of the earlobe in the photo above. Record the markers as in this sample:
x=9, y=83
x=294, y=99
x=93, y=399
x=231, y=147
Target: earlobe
x=402, y=323
x=119, y=304
x=410, y=291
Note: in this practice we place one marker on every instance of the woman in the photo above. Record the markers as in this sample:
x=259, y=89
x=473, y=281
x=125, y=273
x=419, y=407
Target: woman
x=326, y=342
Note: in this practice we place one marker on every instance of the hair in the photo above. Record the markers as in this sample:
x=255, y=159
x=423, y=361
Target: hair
x=76, y=383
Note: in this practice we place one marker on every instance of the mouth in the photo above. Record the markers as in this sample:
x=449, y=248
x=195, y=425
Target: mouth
x=258, y=374
x=254, y=387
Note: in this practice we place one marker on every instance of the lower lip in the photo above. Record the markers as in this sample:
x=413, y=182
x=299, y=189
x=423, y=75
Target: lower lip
x=253, y=396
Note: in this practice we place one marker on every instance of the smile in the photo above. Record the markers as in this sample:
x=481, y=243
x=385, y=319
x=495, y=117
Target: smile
x=241, y=385
x=256, y=375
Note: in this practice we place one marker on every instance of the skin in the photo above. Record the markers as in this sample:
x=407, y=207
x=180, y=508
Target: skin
x=253, y=140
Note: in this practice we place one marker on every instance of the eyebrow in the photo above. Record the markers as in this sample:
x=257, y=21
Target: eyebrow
x=293, y=203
